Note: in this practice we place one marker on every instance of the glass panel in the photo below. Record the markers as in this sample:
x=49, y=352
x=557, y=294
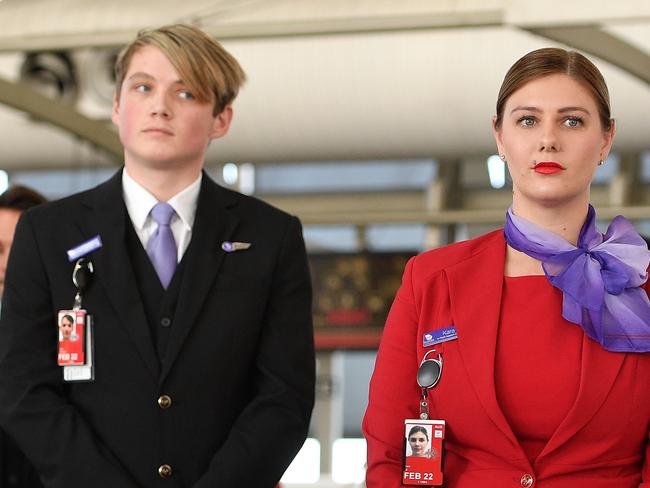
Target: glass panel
x=645, y=167
x=397, y=237
x=55, y=184
x=305, y=467
x=344, y=175
x=331, y=238
x=349, y=461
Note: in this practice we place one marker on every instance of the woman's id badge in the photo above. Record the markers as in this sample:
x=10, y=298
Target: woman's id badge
x=423, y=452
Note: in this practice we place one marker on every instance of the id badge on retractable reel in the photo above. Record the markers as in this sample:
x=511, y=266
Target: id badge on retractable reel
x=422, y=461
x=75, y=331
x=423, y=448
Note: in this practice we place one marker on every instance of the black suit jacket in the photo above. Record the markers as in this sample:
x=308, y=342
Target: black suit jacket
x=239, y=367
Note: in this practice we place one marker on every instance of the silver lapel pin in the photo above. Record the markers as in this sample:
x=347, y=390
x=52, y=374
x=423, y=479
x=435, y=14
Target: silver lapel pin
x=234, y=246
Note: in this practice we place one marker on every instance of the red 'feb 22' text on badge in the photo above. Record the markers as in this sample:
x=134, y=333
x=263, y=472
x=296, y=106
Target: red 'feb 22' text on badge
x=71, y=327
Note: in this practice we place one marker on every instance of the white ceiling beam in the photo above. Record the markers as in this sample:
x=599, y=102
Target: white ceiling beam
x=25, y=99
x=96, y=24
x=260, y=30
x=594, y=40
x=557, y=13
x=580, y=24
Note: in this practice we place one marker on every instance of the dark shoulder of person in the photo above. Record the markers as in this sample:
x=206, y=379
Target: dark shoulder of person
x=15, y=470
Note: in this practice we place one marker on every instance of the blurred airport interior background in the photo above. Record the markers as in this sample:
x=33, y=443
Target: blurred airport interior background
x=368, y=119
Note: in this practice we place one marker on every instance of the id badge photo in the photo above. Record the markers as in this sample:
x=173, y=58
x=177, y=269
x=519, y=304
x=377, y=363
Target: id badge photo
x=72, y=335
x=423, y=452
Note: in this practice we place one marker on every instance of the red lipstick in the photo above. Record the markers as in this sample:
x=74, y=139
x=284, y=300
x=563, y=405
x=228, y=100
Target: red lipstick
x=548, y=167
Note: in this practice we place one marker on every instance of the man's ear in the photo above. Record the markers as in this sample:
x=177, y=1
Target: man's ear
x=115, y=112
x=221, y=123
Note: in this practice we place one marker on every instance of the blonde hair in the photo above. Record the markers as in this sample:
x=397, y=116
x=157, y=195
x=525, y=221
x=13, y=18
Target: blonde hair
x=209, y=71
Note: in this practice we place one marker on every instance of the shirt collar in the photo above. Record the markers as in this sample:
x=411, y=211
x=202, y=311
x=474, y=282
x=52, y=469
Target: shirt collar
x=185, y=202
x=139, y=201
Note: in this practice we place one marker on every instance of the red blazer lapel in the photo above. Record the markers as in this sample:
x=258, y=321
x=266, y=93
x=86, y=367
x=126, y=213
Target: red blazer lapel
x=475, y=287
x=599, y=370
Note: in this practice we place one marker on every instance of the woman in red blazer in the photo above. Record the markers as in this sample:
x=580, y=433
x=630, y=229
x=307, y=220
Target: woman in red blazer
x=545, y=381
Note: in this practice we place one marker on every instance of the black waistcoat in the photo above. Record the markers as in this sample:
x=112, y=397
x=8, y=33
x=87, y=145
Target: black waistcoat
x=159, y=304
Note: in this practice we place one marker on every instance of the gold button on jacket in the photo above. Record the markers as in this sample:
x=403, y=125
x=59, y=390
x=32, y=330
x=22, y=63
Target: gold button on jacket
x=165, y=471
x=164, y=401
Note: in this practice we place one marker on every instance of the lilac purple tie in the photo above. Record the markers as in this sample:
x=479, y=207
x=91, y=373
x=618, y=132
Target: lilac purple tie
x=161, y=247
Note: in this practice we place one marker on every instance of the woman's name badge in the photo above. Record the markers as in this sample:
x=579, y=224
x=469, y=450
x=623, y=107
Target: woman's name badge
x=439, y=336
x=422, y=461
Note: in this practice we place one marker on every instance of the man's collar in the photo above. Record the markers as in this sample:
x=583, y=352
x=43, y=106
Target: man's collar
x=139, y=201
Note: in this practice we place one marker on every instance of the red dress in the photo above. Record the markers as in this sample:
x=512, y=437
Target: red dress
x=529, y=334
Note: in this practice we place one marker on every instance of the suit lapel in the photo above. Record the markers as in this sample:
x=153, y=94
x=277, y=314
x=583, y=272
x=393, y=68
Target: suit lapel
x=599, y=370
x=107, y=217
x=214, y=223
x=475, y=287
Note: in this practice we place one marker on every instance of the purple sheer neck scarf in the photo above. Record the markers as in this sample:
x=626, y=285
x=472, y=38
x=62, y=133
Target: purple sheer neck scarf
x=600, y=279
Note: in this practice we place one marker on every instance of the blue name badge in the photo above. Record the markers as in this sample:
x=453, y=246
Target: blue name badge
x=438, y=336
x=84, y=248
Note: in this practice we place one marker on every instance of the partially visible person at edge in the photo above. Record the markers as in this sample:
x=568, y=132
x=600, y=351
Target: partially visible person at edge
x=13, y=202
x=546, y=384
x=15, y=470
x=201, y=301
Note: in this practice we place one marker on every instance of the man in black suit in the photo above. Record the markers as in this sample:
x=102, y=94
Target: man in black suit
x=15, y=470
x=203, y=365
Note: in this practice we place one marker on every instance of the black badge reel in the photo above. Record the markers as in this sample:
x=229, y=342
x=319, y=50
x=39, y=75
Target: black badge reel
x=81, y=277
x=428, y=376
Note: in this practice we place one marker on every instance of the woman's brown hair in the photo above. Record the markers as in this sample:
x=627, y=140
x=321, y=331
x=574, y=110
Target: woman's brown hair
x=549, y=61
